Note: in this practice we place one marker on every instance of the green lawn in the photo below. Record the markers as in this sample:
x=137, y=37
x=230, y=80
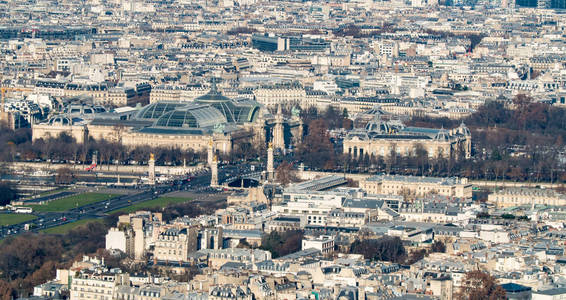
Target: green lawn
x=67, y=203
x=159, y=202
x=10, y=219
x=67, y=227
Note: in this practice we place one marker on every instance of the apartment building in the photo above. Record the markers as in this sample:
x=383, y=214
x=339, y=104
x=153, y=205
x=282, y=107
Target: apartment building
x=217, y=258
x=96, y=283
x=271, y=96
x=230, y=292
x=133, y=233
x=164, y=93
x=175, y=244
x=324, y=243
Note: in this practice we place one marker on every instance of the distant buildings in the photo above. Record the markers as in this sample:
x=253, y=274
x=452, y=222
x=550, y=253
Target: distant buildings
x=288, y=43
x=138, y=72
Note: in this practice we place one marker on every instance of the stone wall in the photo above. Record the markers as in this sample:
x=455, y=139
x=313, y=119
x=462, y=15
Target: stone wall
x=129, y=169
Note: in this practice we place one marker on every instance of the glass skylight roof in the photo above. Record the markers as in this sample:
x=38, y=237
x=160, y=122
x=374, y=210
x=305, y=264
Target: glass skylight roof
x=156, y=110
x=191, y=116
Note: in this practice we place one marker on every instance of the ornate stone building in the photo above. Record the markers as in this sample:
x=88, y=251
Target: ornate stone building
x=381, y=138
x=184, y=125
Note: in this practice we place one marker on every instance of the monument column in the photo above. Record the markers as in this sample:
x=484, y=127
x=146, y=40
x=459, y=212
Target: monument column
x=210, y=152
x=214, y=171
x=151, y=171
x=270, y=162
x=278, y=133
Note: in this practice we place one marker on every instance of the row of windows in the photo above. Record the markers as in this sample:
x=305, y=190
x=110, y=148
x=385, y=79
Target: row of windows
x=101, y=291
x=528, y=200
x=294, y=211
x=169, y=245
x=99, y=297
x=382, y=151
x=89, y=283
x=282, y=228
x=168, y=238
x=236, y=258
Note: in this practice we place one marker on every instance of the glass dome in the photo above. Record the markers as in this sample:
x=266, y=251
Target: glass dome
x=193, y=116
x=234, y=111
x=464, y=130
x=237, y=112
x=378, y=127
x=156, y=110
x=60, y=121
x=442, y=135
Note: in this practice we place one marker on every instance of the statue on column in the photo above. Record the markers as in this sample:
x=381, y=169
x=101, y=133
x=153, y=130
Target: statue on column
x=214, y=172
x=151, y=170
x=270, y=169
x=278, y=131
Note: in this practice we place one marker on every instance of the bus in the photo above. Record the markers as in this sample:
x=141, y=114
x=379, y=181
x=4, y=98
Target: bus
x=23, y=210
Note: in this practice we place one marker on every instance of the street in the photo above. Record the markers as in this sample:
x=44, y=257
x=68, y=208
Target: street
x=198, y=188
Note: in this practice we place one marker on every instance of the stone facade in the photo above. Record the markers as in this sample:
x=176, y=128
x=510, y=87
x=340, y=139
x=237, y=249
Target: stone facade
x=380, y=138
x=526, y=196
x=419, y=186
x=174, y=244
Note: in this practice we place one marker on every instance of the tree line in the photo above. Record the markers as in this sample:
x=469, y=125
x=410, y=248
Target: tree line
x=389, y=248
x=521, y=140
x=64, y=148
x=31, y=259
x=7, y=193
x=357, y=32
x=282, y=243
x=518, y=141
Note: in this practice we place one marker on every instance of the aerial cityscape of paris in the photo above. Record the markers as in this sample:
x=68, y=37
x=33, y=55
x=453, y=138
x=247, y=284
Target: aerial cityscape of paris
x=283, y=149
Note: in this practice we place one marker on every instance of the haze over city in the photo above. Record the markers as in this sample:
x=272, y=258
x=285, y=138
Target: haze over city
x=282, y=150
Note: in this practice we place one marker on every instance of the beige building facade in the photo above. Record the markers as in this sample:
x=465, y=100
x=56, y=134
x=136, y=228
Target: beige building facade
x=510, y=197
x=175, y=244
x=381, y=138
x=58, y=125
x=271, y=96
x=419, y=186
x=176, y=93
x=90, y=285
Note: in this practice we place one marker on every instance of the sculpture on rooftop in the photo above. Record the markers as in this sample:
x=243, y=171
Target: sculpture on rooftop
x=219, y=128
x=295, y=112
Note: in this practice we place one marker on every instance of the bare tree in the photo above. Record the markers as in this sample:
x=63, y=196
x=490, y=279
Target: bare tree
x=478, y=285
